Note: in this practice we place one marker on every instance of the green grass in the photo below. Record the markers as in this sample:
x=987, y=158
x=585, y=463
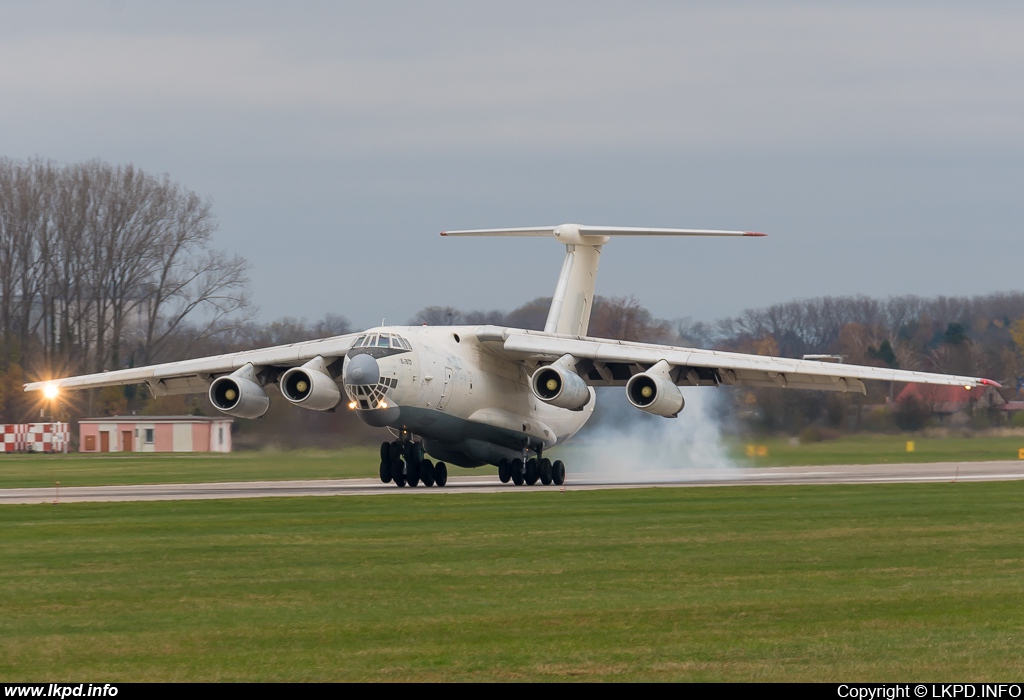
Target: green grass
x=817, y=583
x=878, y=449
x=17, y=470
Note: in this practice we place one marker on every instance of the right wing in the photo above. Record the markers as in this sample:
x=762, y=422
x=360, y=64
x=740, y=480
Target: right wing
x=604, y=362
x=194, y=376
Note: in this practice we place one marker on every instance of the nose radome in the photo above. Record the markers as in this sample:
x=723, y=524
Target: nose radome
x=362, y=369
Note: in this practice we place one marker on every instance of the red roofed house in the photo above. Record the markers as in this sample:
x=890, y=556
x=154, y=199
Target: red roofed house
x=952, y=405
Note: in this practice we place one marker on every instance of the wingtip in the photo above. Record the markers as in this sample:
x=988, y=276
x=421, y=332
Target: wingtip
x=990, y=382
x=444, y=233
x=754, y=233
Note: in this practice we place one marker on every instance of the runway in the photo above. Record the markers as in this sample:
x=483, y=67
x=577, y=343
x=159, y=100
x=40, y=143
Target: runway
x=844, y=474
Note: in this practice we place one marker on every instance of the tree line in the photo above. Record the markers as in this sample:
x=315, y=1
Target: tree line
x=104, y=267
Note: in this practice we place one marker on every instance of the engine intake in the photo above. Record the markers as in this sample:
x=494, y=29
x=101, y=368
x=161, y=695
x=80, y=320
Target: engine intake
x=239, y=394
x=311, y=386
x=654, y=391
x=558, y=385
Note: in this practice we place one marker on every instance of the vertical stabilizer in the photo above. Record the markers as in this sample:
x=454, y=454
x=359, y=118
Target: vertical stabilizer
x=574, y=293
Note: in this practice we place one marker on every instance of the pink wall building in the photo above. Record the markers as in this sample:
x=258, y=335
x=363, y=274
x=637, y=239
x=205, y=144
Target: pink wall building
x=154, y=434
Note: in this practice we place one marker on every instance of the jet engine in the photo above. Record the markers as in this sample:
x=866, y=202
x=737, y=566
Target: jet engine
x=310, y=386
x=558, y=385
x=239, y=394
x=655, y=392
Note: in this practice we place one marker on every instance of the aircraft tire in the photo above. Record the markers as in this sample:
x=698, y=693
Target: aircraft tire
x=412, y=473
x=441, y=474
x=517, y=472
x=427, y=473
x=400, y=480
x=532, y=473
x=504, y=471
x=385, y=452
x=395, y=452
x=397, y=471
x=545, y=471
x=385, y=471
x=558, y=472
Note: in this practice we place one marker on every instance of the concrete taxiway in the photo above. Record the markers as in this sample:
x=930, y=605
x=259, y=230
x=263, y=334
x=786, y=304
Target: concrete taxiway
x=843, y=474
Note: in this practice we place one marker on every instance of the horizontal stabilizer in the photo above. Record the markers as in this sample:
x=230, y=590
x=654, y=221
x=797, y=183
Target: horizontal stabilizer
x=584, y=230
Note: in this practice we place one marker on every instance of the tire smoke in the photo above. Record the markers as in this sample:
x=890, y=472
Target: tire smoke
x=623, y=444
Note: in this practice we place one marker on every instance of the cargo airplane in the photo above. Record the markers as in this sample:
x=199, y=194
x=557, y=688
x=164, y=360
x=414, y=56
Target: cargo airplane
x=476, y=395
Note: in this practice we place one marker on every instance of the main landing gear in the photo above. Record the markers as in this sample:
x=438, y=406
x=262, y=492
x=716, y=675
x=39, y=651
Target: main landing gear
x=531, y=471
x=405, y=464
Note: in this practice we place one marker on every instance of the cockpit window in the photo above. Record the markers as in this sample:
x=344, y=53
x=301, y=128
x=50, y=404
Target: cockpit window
x=381, y=340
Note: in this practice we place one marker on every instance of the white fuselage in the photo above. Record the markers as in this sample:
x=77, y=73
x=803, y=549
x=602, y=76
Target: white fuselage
x=471, y=406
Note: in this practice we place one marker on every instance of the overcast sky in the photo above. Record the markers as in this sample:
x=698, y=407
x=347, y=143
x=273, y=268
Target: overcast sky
x=880, y=145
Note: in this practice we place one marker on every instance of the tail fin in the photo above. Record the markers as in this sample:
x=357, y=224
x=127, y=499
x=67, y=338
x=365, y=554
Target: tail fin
x=574, y=294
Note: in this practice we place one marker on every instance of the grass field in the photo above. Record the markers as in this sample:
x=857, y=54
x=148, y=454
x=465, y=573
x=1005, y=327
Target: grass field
x=163, y=468
x=879, y=449
x=90, y=470
x=822, y=583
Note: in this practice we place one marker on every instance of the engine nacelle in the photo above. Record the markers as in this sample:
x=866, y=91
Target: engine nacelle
x=559, y=386
x=655, y=392
x=310, y=386
x=238, y=394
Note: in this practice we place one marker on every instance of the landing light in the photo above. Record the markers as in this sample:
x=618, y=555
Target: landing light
x=967, y=386
x=352, y=404
x=50, y=391
x=383, y=404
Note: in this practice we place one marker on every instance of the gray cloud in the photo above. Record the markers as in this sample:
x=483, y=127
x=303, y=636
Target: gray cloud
x=879, y=143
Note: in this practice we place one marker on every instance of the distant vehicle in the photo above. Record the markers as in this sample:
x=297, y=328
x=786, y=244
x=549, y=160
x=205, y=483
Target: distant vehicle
x=476, y=395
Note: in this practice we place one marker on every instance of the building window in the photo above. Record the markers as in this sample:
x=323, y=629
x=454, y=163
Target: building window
x=149, y=436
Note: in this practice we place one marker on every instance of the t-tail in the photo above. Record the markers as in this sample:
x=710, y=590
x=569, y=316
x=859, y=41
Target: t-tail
x=574, y=293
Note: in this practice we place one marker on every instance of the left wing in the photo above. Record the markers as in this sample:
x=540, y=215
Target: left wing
x=602, y=362
x=195, y=376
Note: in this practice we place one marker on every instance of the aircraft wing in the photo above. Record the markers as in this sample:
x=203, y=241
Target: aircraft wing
x=604, y=362
x=194, y=376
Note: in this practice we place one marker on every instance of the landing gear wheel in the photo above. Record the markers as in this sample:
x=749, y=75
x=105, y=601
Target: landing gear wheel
x=517, y=472
x=441, y=474
x=545, y=471
x=385, y=471
x=504, y=471
x=427, y=473
x=412, y=474
x=394, y=458
x=398, y=472
x=558, y=472
x=531, y=472
x=385, y=452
